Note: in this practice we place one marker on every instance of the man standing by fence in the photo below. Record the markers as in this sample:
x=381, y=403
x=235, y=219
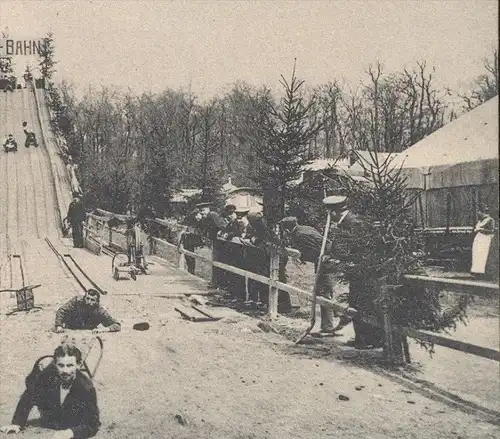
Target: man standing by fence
x=76, y=217
x=361, y=289
x=212, y=223
x=189, y=240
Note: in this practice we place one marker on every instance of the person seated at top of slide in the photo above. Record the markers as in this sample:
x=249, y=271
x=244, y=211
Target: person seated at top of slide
x=10, y=143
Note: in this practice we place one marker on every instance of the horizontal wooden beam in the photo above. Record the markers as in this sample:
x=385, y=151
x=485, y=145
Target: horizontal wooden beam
x=462, y=286
x=115, y=215
x=471, y=287
x=461, y=346
x=265, y=280
x=465, y=230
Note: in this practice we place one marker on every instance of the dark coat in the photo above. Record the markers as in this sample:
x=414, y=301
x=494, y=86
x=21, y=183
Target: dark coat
x=212, y=224
x=79, y=412
x=75, y=315
x=307, y=240
x=76, y=213
x=190, y=241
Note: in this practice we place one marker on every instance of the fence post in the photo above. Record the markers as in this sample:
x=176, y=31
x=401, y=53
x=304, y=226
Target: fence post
x=274, y=261
x=393, y=339
x=152, y=246
x=110, y=237
x=215, y=257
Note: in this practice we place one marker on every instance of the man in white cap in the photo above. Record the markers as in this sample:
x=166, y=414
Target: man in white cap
x=360, y=296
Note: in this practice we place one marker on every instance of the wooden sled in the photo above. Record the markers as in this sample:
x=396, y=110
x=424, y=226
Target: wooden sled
x=47, y=360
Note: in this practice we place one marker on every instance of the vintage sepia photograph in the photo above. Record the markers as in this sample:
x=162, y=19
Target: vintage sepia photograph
x=249, y=219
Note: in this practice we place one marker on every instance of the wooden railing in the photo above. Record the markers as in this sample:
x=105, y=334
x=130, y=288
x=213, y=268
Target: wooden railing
x=272, y=281
x=457, y=286
x=395, y=346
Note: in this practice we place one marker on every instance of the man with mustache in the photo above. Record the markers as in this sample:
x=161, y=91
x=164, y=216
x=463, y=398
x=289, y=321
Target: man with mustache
x=65, y=398
x=85, y=313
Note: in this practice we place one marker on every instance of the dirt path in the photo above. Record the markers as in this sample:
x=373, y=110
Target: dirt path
x=221, y=380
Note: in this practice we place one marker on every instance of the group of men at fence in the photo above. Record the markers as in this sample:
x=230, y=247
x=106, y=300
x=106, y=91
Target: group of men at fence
x=249, y=253
x=66, y=398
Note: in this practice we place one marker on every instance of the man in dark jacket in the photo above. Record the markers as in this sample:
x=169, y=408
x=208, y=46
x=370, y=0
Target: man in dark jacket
x=307, y=240
x=76, y=217
x=190, y=240
x=65, y=398
x=361, y=292
x=212, y=223
x=85, y=313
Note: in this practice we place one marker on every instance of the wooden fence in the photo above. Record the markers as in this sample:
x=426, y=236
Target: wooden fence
x=395, y=346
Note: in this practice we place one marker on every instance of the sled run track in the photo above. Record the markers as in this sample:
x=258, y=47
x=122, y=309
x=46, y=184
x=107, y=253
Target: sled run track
x=29, y=206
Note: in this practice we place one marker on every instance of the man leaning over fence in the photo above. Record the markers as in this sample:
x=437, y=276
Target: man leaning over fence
x=307, y=240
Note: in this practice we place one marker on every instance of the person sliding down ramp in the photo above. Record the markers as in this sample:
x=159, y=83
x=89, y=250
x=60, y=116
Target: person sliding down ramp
x=10, y=144
x=30, y=136
x=85, y=313
x=64, y=396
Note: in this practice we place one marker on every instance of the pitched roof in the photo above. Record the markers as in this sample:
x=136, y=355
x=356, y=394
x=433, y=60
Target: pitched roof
x=471, y=137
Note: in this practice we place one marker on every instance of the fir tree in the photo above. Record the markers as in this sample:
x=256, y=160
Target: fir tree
x=287, y=131
x=385, y=247
x=47, y=50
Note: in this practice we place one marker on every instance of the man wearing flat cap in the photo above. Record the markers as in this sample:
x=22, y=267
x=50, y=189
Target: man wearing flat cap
x=237, y=223
x=76, y=217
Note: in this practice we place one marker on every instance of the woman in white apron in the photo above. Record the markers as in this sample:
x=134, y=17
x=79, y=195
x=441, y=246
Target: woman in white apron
x=484, y=230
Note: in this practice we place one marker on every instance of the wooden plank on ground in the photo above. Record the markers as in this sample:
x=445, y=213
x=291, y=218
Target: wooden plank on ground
x=195, y=315
x=196, y=298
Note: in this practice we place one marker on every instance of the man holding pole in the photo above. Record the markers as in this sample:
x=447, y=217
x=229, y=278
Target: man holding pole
x=360, y=293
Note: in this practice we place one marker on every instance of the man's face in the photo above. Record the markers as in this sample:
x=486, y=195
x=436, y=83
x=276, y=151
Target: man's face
x=90, y=301
x=205, y=211
x=66, y=368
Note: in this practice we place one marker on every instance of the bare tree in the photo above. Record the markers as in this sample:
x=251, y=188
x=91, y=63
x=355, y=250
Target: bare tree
x=485, y=85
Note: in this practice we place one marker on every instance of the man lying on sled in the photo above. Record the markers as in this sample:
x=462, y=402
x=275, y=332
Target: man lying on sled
x=64, y=396
x=85, y=313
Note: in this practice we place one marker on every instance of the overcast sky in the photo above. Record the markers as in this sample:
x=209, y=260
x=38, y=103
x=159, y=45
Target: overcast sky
x=206, y=45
